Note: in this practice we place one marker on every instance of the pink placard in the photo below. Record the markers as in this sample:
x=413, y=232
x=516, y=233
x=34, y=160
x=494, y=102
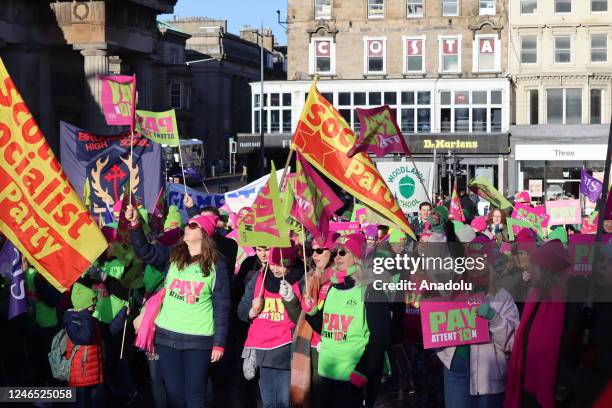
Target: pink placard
x=588, y=227
x=117, y=99
x=344, y=227
x=360, y=215
x=536, y=215
x=581, y=247
x=563, y=212
x=453, y=323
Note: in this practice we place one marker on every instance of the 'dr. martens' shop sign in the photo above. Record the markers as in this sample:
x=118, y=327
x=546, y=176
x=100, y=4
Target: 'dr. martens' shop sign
x=489, y=143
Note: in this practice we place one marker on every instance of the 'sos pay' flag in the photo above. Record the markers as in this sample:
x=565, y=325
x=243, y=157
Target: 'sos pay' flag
x=323, y=137
x=41, y=213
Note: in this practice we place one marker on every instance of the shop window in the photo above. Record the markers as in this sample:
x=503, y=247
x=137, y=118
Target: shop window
x=479, y=120
x=256, y=121
x=344, y=98
x=356, y=123
x=265, y=122
x=359, y=98
x=423, y=120
x=529, y=7
x=529, y=49
x=563, y=6
x=423, y=98
x=346, y=114
x=415, y=55
x=390, y=98
x=374, y=99
x=450, y=51
x=323, y=56
x=376, y=8
x=486, y=7
x=286, y=121
x=256, y=102
x=598, y=6
x=375, y=56
x=479, y=97
x=534, y=110
x=599, y=48
x=274, y=99
x=595, y=106
x=470, y=111
x=450, y=7
x=275, y=121
x=496, y=119
x=286, y=99
x=414, y=8
x=323, y=9
x=563, y=49
x=415, y=112
x=329, y=96
x=496, y=97
x=445, y=120
x=564, y=106
x=407, y=120
x=407, y=98
x=573, y=106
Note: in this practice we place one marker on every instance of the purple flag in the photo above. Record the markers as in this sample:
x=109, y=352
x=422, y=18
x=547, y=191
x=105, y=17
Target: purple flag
x=590, y=186
x=17, y=301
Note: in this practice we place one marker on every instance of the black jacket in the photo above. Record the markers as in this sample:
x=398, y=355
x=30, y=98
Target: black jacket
x=158, y=256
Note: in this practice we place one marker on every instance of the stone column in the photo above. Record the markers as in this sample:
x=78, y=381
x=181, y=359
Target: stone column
x=95, y=63
x=144, y=83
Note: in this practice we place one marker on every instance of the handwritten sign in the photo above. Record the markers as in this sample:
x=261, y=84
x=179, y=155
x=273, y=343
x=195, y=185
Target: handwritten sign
x=563, y=212
x=453, y=323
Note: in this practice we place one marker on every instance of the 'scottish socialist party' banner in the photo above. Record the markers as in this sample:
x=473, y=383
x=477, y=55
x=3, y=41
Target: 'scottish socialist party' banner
x=453, y=323
x=176, y=194
x=41, y=213
x=323, y=137
x=105, y=162
x=160, y=127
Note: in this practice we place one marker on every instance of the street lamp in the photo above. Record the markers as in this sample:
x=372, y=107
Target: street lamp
x=261, y=97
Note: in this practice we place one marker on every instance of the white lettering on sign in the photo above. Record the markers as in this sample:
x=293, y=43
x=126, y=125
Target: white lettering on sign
x=487, y=46
x=449, y=47
x=375, y=48
x=322, y=48
x=414, y=47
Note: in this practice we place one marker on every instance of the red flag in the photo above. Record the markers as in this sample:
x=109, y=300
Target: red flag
x=314, y=202
x=380, y=133
x=456, y=211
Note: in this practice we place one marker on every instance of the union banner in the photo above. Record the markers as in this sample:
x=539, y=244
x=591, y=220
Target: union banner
x=41, y=215
x=323, y=137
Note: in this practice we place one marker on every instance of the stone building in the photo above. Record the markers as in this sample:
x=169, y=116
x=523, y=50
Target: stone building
x=441, y=65
x=561, y=68
x=54, y=51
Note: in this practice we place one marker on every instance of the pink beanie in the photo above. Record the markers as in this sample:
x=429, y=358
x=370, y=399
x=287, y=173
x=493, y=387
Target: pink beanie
x=208, y=223
x=523, y=197
x=479, y=223
x=283, y=256
x=355, y=243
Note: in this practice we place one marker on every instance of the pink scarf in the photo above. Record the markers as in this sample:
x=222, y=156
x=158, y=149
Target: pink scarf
x=146, y=334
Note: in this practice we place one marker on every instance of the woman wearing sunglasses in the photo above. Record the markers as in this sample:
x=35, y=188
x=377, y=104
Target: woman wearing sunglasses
x=268, y=343
x=191, y=327
x=354, y=333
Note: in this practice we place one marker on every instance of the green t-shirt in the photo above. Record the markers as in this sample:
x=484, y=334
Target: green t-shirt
x=345, y=333
x=188, y=307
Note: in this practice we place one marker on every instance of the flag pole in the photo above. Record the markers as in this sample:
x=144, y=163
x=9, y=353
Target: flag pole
x=132, y=126
x=263, y=280
x=183, y=168
x=304, y=256
x=421, y=181
x=125, y=324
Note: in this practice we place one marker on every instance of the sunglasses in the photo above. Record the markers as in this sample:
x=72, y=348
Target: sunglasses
x=193, y=225
x=341, y=252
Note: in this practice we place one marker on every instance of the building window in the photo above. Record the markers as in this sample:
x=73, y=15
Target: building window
x=534, y=110
x=174, y=56
x=598, y=6
x=376, y=8
x=450, y=54
x=529, y=49
x=275, y=121
x=176, y=100
x=286, y=121
x=450, y=7
x=470, y=111
x=563, y=6
x=599, y=48
x=415, y=55
x=286, y=99
x=323, y=9
x=374, y=98
x=415, y=113
x=486, y=54
x=563, y=49
x=374, y=55
x=323, y=56
x=595, y=106
x=486, y=7
x=529, y=7
x=414, y=8
x=564, y=106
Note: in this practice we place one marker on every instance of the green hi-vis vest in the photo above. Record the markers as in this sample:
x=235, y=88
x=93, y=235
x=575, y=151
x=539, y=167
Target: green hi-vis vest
x=345, y=333
x=188, y=307
x=44, y=315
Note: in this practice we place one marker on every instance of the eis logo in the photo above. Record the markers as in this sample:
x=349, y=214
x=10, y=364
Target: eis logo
x=336, y=326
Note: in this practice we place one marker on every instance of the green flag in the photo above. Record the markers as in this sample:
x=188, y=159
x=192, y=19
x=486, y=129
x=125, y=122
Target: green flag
x=160, y=127
x=485, y=189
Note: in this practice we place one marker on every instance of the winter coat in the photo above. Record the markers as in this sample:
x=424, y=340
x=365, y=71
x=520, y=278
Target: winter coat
x=87, y=364
x=489, y=361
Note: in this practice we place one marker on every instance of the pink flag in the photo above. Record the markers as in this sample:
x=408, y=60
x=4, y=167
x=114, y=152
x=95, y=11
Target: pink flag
x=456, y=211
x=380, y=134
x=118, y=99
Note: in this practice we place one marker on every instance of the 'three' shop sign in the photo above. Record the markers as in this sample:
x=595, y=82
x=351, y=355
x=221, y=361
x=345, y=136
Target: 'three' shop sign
x=491, y=143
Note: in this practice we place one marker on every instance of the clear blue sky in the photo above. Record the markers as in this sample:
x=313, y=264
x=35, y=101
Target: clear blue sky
x=237, y=13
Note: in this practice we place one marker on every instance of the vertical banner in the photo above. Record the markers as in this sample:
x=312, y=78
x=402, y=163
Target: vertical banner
x=403, y=181
x=118, y=94
x=42, y=215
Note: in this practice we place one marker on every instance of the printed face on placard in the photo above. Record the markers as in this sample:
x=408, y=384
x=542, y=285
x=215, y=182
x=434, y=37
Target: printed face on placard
x=487, y=46
x=323, y=48
x=414, y=47
x=450, y=46
x=375, y=48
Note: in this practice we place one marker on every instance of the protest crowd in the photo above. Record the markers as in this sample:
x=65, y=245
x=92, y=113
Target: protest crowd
x=274, y=298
